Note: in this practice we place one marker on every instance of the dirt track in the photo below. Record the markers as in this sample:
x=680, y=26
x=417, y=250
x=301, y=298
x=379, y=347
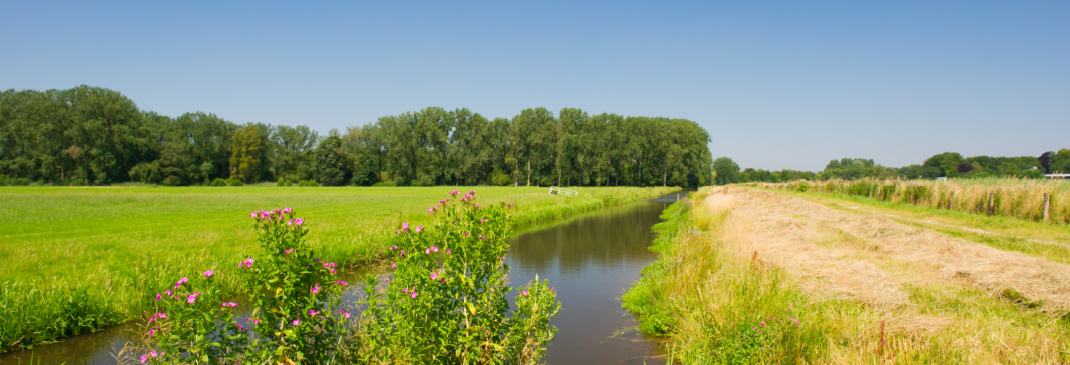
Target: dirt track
x=870, y=257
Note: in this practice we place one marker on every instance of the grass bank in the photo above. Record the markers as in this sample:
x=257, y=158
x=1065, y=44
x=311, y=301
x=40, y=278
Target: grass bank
x=732, y=288
x=74, y=260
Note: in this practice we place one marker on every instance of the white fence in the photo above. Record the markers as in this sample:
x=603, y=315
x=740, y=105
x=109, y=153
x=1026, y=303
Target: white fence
x=562, y=191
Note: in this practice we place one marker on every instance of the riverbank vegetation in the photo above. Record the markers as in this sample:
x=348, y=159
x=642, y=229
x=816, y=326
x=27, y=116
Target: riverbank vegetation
x=750, y=276
x=77, y=259
x=94, y=136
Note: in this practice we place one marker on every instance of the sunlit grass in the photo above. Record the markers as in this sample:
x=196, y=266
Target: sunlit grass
x=75, y=259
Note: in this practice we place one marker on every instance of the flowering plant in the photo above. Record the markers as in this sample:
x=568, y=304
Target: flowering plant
x=447, y=300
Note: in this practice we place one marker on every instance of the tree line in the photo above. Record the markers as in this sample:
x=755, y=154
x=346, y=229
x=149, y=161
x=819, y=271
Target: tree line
x=947, y=164
x=96, y=136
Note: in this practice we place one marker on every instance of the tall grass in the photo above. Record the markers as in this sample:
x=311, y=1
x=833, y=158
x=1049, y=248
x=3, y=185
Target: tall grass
x=717, y=302
x=74, y=260
x=1019, y=198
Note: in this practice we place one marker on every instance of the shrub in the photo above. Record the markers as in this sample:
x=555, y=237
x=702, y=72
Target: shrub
x=218, y=182
x=234, y=182
x=386, y=183
x=500, y=178
x=308, y=183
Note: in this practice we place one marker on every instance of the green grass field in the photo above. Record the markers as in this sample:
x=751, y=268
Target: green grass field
x=73, y=260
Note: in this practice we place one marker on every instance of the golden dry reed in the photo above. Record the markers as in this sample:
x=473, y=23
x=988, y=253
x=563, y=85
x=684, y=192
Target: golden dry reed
x=1019, y=198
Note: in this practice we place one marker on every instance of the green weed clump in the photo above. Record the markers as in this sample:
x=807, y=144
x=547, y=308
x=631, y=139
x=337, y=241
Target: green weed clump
x=75, y=260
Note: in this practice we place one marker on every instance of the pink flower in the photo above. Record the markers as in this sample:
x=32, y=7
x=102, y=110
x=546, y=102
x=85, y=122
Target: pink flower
x=393, y=247
x=181, y=281
x=443, y=281
x=290, y=222
x=265, y=214
x=427, y=251
x=405, y=290
x=525, y=292
x=252, y=215
x=473, y=192
x=255, y=321
x=405, y=226
x=431, y=209
x=448, y=252
x=287, y=210
x=342, y=283
x=157, y=297
x=209, y=273
x=299, y=221
x=288, y=251
x=296, y=322
x=393, y=265
x=312, y=312
x=345, y=314
x=419, y=228
x=248, y=263
x=454, y=192
x=152, y=332
x=144, y=358
x=191, y=298
x=434, y=276
x=412, y=295
x=434, y=248
x=168, y=292
x=553, y=288
x=229, y=304
x=466, y=234
x=316, y=288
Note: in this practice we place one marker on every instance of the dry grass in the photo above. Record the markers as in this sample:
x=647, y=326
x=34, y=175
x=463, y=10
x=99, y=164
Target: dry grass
x=873, y=290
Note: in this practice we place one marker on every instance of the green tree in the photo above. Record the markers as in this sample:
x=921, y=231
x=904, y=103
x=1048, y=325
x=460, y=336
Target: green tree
x=727, y=171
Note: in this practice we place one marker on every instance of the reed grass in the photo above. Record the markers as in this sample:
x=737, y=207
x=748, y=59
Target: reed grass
x=1011, y=197
x=75, y=260
x=719, y=302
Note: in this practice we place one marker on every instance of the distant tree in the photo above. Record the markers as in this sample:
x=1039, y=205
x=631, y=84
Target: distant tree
x=331, y=165
x=727, y=171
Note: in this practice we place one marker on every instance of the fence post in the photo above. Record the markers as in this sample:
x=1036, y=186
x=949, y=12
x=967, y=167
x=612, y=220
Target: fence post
x=1047, y=206
x=950, y=197
x=991, y=203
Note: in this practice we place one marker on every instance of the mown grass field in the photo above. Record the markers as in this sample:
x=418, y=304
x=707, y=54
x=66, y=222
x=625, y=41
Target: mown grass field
x=752, y=276
x=75, y=259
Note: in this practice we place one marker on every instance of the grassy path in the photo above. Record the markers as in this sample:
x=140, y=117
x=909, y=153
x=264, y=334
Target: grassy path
x=73, y=260
x=801, y=277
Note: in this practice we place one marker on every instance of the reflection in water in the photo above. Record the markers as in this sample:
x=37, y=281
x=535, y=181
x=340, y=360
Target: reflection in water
x=591, y=260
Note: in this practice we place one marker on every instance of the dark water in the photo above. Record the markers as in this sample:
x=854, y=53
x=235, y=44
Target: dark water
x=591, y=260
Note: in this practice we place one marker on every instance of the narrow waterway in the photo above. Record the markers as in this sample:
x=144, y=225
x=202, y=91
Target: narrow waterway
x=591, y=260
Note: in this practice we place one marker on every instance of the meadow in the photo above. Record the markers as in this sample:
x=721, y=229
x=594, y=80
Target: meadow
x=73, y=260
x=755, y=276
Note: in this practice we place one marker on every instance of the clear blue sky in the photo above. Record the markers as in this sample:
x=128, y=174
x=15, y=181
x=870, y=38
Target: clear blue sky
x=777, y=84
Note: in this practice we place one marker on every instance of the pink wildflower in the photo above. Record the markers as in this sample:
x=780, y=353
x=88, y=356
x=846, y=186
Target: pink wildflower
x=419, y=228
x=296, y=322
x=209, y=273
x=316, y=288
x=168, y=292
x=473, y=192
x=525, y=292
x=448, y=252
x=157, y=297
x=412, y=295
x=342, y=283
x=454, y=192
x=255, y=321
x=405, y=226
x=299, y=221
x=312, y=312
x=393, y=265
x=434, y=248
x=191, y=298
x=144, y=358
x=287, y=210
x=248, y=263
x=345, y=314
x=265, y=214
x=229, y=304
x=434, y=276
x=252, y=215
x=427, y=251
x=181, y=281
x=288, y=251
x=290, y=222
x=443, y=281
